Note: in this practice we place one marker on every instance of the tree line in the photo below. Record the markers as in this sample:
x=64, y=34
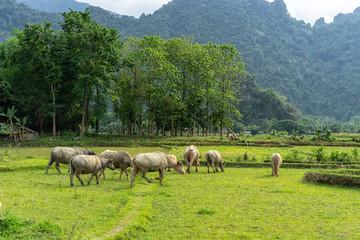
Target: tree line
x=63, y=80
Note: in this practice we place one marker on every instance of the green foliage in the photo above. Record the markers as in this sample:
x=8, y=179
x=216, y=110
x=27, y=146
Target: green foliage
x=340, y=157
x=306, y=66
x=13, y=227
x=289, y=126
x=318, y=154
x=323, y=135
x=16, y=15
x=206, y=212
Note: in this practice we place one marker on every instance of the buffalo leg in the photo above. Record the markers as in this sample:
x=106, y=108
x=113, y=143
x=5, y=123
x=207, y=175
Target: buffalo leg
x=273, y=169
x=127, y=174
x=189, y=167
x=214, y=168
x=71, y=178
x=161, y=175
x=49, y=165
x=135, y=171
x=97, y=178
x=102, y=171
x=57, y=164
x=143, y=174
x=92, y=176
x=78, y=176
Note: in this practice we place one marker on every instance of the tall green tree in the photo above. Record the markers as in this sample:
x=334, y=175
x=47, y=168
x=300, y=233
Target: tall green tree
x=229, y=73
x=92, y=50
x=29, y=68
x=40, y=49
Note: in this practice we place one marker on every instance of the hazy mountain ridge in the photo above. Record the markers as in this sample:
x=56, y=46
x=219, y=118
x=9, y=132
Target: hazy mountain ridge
x=56, y=6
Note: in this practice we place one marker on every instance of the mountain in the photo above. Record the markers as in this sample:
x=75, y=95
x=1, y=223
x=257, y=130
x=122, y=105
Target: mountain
x=348, y=17
x=296, y=59
x=316, y=68
x=55, y=6
x=15, y=15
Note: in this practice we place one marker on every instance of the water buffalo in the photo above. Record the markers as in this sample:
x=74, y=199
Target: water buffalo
x=152, y=162
x=191, y=155
x=276, y=162
x=173, y=158
x=213, y=158
x=121, y=159
x=86, y=164
x=64, y=154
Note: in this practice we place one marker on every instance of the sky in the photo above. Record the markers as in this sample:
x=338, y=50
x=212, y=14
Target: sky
x=307, y=10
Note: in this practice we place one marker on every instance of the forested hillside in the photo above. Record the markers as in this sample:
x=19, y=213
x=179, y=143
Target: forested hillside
x=314, y=67
x=15, y=15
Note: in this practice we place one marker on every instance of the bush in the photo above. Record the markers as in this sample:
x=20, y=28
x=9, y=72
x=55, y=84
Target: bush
x=319, y=154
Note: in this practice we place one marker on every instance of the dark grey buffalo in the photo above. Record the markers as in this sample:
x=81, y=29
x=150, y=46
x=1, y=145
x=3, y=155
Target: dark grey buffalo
x=121, y=159
x=152, y=162
x=64, y=154
x=86, y=164
x=213, y=158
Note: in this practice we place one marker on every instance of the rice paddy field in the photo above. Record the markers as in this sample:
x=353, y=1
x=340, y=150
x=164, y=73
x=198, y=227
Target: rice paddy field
x=240, y=203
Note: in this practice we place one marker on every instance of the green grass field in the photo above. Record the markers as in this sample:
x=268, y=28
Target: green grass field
x=240, y=203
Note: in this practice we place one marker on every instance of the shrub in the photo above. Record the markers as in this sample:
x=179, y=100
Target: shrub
x=319, y=154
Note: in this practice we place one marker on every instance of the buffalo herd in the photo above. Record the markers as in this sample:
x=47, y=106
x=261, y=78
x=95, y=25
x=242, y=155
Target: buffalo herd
x=84, y=161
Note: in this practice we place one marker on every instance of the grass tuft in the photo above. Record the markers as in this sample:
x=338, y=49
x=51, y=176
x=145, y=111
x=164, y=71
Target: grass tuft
x=13, y=227
x=206, y=212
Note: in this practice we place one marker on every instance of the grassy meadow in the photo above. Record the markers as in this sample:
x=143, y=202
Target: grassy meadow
x=240, y=203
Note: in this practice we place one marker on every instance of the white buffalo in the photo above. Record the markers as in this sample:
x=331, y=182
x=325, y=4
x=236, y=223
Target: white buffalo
x=152, y=162
x=64, y=154
x=191, y=155
x=86, y=164
x=121, y=159
x=213, y=158
x=276, y=162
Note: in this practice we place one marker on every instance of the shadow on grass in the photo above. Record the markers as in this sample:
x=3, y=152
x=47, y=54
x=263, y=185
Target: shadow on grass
x=266, y=176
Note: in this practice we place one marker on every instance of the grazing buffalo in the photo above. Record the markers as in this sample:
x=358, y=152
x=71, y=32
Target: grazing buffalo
x=213, y=158
x=86, y=164
x=152, y=162
x=173, y=159
x=276, y=162
x=64, y=154
x=121, y=159
x=191, y=155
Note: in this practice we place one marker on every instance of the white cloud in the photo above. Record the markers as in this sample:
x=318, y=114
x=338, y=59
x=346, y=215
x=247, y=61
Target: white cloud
x=311, y=10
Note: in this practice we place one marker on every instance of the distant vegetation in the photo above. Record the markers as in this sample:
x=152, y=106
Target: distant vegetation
x=309, y=71
x=155, y=85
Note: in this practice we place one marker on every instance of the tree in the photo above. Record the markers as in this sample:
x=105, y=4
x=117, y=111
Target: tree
x=10, y=115
x=229, y=73
x=40, y=48
x=92, y=51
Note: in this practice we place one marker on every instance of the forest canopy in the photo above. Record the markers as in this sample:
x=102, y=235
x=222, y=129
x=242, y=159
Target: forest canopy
x=67, y=78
